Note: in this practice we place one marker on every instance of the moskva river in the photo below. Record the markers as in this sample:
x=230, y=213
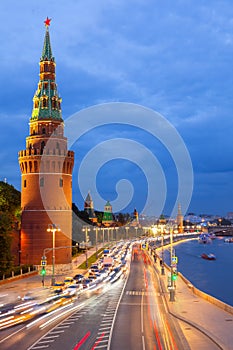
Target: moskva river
x=214, y=277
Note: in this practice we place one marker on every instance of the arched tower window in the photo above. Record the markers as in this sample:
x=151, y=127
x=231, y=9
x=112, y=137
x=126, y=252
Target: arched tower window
x=54, y=103
x=61, y=182
x=44, y=102
x=43, y=131
x=42, y=147
x=35, y=166
x=41, y=182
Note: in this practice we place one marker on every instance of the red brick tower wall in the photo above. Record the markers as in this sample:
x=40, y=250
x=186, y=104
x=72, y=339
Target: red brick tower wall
x=46, y=167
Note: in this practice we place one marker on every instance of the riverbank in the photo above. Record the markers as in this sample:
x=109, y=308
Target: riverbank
x=196, y=310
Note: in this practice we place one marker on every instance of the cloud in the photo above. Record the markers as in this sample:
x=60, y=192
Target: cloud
x=173, y=57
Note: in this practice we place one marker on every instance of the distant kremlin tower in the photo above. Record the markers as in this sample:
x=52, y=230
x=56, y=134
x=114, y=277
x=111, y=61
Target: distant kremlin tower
x=46, y=167
x=89, y=208
x=107, y=216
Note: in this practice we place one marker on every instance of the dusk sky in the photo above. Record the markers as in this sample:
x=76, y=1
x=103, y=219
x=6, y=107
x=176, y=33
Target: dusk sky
x=171, y=57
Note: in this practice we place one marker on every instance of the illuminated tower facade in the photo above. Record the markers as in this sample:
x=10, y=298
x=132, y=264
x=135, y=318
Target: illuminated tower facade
x=46, y=170
x=107, y=216
x=179, y=219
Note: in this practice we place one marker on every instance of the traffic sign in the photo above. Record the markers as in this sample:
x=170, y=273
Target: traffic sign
x=43, y=261
x=174, y=260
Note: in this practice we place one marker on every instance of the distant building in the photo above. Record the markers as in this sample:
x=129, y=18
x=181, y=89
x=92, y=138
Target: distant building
x=107, y=216
x=89, y=208
x=229, y=215
x=179, y=219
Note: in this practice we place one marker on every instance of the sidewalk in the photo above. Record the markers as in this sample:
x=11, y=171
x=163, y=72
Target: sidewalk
x=19, y=287
x=199, y=313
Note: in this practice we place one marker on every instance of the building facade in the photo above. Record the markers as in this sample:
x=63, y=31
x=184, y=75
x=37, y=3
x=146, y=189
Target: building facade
x=46, y=172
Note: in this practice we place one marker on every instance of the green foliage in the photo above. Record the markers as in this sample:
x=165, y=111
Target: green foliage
x=91, y=260
x=9, y=219
x=5, y=242
x=123, y=218
x=9, y=198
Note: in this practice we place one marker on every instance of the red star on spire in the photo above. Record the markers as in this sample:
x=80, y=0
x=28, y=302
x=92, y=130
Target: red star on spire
x=47, y=22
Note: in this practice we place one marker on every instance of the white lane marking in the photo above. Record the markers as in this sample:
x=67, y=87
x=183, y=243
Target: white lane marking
x=143, y=342
x=114, y=318
x=142, y=325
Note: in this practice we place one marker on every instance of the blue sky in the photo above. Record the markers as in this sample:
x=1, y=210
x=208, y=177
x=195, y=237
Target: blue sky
x=173, y=57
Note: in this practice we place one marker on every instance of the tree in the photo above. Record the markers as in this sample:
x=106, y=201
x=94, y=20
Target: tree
x=10, y=214
x=6, y=261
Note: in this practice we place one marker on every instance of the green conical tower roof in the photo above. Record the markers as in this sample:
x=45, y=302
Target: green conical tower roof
x=46, y=101
x=47, y=50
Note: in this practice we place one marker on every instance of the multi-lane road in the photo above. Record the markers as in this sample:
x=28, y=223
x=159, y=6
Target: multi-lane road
x=127, y=314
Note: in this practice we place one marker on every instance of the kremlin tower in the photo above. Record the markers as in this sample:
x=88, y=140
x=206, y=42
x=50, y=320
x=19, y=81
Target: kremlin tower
x=107, y=216
x=89, y=208
x=46, y=167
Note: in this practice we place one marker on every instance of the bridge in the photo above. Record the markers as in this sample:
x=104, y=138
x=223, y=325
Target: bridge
x=221, y=230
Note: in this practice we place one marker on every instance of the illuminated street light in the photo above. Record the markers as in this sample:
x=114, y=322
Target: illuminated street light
x=53, y=228
x=86, y=229
x=96, y=241
x=162, y=263
x=102, y=229
x=172, y=288
x=116, y=229
x=127, y=231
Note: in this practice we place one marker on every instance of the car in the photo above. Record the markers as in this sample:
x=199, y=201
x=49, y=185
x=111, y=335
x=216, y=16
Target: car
x=79, y=277
x=92, y=276
x=68, y=280
x=58, y=287
x=74, y=288
x=85, y=283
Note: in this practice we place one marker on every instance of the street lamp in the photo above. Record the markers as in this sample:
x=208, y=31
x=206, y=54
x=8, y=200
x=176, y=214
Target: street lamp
x=53, y=228
x=86, y=229
x=162, y=263
x=96, y=241
x=116, y=229
x=127, y=230
x=172, y=288
x=102, y=229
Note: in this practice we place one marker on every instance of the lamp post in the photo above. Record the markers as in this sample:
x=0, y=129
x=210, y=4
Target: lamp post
x=53, y=228
x=162, y=264
x=172, y=288
x=116, y=229
x=102, y=229
x=96, y=241
x=127, y=230
x=86, y=229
